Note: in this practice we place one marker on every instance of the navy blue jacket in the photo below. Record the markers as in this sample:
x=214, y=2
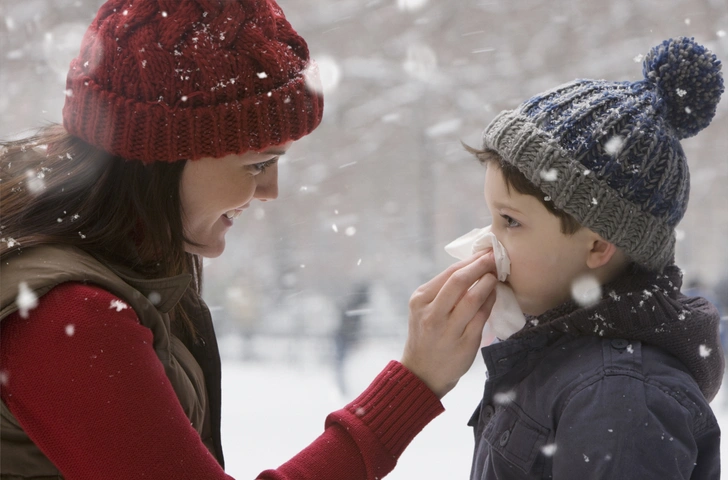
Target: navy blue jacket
x=591, y=408
x=566, y=398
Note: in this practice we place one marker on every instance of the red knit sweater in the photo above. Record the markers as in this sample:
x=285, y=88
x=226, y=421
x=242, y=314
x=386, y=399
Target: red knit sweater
x=85, y=384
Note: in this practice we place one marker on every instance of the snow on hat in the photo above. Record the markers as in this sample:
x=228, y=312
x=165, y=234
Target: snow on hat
x=609, y=154
x=166, y=80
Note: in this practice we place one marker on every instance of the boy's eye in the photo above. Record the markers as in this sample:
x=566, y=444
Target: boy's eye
x=260, y=167
x=510, y=222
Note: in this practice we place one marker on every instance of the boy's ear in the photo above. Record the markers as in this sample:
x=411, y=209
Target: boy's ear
x=601, y=252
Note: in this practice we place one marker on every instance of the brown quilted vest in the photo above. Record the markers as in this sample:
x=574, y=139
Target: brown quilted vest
x=193, y=370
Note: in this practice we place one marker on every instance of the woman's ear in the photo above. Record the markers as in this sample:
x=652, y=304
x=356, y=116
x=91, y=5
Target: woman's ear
x=601, y=253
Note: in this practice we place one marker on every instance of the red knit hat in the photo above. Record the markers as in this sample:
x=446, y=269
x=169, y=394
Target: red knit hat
x=166, y=80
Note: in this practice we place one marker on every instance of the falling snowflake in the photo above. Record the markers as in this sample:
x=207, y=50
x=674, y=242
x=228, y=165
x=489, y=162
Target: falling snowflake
x=504, y=398
x=549, y=449
x=262, y=75
x=586, y=459
x=704, y=351
x=350, y=231
x=586, y=290
x=70, y=329
x=155, y=298
x=445, y=127
x=118, y=305
x=335, y=228
x=680, y=92
x=26, y=299
x=410, y=5
x=550, y=175
x=614, y=145
x=329, y=72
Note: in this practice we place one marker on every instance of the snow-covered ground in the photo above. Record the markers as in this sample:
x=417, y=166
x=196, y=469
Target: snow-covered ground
x=273, y=409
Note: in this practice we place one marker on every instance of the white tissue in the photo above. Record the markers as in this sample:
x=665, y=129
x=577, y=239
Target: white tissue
x=506, y=318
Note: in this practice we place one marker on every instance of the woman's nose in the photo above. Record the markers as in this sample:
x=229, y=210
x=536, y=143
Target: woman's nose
x=267, y=186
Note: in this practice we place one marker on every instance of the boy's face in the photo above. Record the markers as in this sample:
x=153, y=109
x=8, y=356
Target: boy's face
x=544, y=261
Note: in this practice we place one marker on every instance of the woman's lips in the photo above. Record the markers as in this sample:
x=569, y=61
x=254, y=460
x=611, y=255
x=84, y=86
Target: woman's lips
x=233, y=214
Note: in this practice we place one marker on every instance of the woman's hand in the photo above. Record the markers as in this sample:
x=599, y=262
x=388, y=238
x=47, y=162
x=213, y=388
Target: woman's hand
x=446, y=320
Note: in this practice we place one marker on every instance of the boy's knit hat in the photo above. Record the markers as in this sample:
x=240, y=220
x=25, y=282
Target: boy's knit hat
x=608, y=153
x=167, y=80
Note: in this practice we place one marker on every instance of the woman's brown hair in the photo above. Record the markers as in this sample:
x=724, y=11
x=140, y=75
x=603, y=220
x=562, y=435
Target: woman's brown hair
x=57, y=189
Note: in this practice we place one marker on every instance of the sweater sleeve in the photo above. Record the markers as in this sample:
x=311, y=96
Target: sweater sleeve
x=369, y=434
x=84, y=382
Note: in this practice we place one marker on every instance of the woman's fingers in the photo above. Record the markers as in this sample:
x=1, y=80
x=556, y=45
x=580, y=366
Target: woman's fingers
x=464, y=312
x=474, y=328
x=461, y=282
x=444, y=335
x=427, y=292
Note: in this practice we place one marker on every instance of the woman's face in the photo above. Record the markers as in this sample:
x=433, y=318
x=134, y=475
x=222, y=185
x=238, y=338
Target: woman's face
x=214, y=189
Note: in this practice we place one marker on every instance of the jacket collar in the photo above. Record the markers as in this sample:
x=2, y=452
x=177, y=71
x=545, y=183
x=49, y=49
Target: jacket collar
x=164, y=293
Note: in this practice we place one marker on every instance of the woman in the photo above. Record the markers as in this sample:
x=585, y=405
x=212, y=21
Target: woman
x=176, y=113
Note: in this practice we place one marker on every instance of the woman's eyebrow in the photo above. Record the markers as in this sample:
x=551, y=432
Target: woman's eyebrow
x=273, y=151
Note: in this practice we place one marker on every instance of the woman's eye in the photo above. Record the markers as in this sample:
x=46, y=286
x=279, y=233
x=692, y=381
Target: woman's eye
x=260, y=167
x=510, y=222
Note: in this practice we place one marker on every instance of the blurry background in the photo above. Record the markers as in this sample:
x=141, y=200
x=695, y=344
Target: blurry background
x=317, y=282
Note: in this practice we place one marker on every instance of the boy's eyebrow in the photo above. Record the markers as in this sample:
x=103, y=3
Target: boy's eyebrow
x=509, y=207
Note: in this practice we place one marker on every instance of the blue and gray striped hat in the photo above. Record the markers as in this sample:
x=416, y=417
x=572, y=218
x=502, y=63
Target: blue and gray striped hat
x=609, y=154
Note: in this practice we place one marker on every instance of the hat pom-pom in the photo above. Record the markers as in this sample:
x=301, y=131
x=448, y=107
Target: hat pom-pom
x=688, y=81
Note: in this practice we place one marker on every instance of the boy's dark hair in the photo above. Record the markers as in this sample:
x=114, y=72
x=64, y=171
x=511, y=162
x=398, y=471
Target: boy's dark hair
x=514, y=178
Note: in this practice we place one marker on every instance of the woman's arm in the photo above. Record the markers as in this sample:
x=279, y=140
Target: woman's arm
x=86, y=385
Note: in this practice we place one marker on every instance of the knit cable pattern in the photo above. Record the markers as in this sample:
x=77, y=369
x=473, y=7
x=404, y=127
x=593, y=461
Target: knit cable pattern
x=163, y=80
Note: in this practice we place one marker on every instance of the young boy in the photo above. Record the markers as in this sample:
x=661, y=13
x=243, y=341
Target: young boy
x=586, y=183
